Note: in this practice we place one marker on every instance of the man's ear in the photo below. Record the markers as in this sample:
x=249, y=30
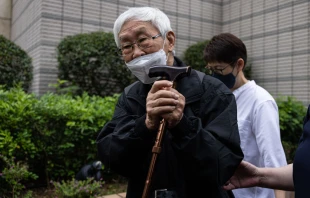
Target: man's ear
x=240, y=64
x=170, y=36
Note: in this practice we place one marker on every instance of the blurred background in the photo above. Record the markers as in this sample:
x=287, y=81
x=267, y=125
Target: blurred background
x=62, y=49
x=276, y=33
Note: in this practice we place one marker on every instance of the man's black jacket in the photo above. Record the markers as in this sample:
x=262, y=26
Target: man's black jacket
x=198, y=155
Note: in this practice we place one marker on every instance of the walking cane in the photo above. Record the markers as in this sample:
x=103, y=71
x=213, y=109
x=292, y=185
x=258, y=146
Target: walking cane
x=166, y=73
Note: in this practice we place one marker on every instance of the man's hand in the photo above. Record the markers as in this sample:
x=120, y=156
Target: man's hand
x=176, y=115
x=246, y=175
x=163, y=102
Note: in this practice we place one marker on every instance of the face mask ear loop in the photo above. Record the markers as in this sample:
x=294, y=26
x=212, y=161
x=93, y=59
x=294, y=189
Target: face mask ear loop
x=164, y=37
x=167, y=56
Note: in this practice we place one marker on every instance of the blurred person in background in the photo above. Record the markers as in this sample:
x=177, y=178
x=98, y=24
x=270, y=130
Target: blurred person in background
x=258, y=117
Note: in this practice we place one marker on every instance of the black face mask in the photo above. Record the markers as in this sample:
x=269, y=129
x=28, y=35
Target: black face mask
x=229, y=80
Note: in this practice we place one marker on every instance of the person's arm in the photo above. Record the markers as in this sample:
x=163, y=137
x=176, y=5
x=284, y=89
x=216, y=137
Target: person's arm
x=248, y=175
x=125, y=141
x=280, y=193
x=267, y=133
x=209, y=146
x=277, y=178
x=266, y=129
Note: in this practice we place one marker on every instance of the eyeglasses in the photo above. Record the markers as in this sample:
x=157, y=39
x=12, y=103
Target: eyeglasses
x=142, y=43
x=216, y=69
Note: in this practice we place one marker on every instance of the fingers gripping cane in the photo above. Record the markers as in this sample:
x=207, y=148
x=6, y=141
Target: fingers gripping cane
x=168, y=73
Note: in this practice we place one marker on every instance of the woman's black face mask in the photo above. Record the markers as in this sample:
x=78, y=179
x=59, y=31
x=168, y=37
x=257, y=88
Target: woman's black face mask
x=229, y=80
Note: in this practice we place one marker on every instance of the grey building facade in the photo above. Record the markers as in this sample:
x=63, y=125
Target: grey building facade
x=276, y=33
x=277, y=36
x=5, y=18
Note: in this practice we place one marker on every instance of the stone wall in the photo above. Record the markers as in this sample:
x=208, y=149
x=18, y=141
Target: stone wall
x=39, y=25
x=276, y=33
x=26, y=32
x=5, y=18
x=277, y=36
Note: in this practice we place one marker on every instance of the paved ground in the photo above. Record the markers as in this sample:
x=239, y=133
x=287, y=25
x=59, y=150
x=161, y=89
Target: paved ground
x=120, y=195
x=123, y=195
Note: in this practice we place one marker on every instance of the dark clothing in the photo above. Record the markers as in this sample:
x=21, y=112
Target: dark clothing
x=301, y=167
x=198, y=155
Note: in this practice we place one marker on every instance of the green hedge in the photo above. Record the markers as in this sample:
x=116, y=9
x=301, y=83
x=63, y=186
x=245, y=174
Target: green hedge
x=193, y=56
x=90, y=62
x=291, y=114
x=15, y=65
x=54, y=134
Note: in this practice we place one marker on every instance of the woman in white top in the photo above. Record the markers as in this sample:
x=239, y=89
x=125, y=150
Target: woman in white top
x=258, y=118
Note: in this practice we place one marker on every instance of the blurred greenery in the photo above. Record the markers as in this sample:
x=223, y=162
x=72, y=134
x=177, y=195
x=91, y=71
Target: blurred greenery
x=12, y=177
x=193, y=56
x=54, y=134
x=90, y=63
x=15, y=65
x=291, y=114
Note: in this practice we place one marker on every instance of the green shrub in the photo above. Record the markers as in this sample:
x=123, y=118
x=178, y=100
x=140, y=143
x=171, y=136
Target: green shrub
x=14, y=173
x=87, y=188
x=291, y=114
x=78, y=189
x=90, y=62
x=16, y=129
x=69, y=126
x=54, y=134
x=193, y=56
x=15, y=65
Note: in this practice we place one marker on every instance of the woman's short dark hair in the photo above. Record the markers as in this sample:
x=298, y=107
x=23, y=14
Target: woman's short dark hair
x=226, y=48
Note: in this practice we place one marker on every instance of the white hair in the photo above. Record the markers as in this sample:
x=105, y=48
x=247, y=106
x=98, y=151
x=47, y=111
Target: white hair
x=153, y=15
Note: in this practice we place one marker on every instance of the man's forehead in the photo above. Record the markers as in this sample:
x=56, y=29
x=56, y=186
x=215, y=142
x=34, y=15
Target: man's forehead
x=132, y=28
x=131, y=32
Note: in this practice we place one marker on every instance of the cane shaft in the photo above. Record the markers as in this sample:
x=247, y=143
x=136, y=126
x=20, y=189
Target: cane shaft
x=155, y=150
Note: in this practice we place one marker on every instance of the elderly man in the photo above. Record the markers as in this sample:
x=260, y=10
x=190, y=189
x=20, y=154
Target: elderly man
x=258, y=117
x=201, y=148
